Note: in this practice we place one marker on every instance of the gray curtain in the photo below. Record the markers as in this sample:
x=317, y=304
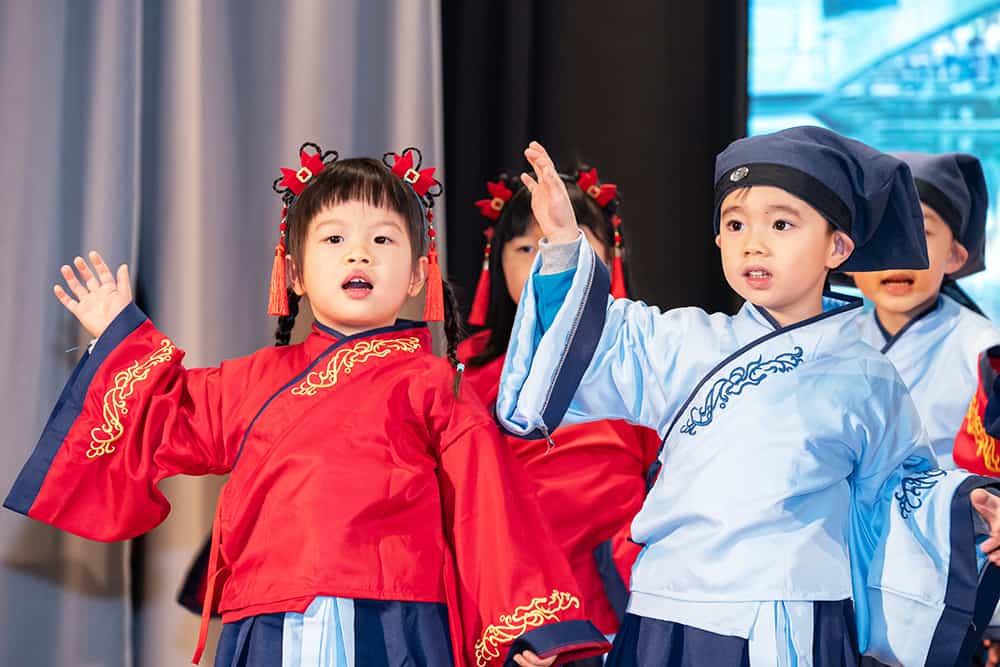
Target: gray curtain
x=152, y=131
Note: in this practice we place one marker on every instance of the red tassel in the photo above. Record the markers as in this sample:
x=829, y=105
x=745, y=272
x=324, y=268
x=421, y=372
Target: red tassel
x=217, y=574
x=277, y=303
x=618, y=276
x=481, y=302
x=434, y=294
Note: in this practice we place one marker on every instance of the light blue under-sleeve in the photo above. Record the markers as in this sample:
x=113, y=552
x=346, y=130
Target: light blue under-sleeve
x=550, y=292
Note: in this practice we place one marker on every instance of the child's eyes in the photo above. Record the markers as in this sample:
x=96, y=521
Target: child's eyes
x=734, y=225
x=336, y=238
x=383, y=240
x=781, y=225
x=525, y=248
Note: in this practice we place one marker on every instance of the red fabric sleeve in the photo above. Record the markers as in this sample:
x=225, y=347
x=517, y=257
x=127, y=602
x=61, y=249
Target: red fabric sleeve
x=976, y=448
x=512, y=581
x=130, y=416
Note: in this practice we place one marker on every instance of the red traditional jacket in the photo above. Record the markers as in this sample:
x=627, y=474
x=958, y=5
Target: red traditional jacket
x=355, y=472
x=976, y=447
x=590, y=482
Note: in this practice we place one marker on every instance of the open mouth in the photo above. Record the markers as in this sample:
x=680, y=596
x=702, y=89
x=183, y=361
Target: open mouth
x=357, y=283
x=898, y=279
x=757, y=274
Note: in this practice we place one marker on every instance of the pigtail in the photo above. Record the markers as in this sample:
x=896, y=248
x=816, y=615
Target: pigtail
x=283, y=334
x=453, y=331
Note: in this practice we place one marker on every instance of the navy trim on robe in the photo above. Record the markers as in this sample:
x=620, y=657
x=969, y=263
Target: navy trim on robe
x=68, y=408
x=400, y=325
x=969, y=598
x=890, y=339
x=578, y=353
x=556, y=638
x=614, y=587
x=850, y=303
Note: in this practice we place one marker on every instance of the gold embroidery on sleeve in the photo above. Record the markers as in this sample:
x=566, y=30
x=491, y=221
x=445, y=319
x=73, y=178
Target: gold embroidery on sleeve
x=512, y=626
x=344, y=360
x=986, y=445
x=115, y=408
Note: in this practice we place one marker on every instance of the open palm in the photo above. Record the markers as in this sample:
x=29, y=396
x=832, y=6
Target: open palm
x=100, y=296
x=550, y=202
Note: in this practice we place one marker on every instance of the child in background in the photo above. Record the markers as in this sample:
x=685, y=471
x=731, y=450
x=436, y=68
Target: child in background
x=591, y=478
x=931, y=339
x=373, y=515
x=794, y=467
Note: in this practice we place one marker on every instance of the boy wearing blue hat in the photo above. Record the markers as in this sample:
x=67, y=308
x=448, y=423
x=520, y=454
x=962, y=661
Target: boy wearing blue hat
x=794, y=463
x=917, y=320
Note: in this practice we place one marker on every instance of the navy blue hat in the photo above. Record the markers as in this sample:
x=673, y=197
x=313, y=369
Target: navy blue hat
x=954, y=186
x=867, y=194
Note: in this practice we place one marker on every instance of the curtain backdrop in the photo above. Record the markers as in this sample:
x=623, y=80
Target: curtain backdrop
x=648, y=92
x=152, y=131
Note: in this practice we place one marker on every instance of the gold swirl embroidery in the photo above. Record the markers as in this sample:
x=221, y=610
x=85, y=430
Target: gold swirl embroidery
x=345, y=359
x=512, y=626
x=986, y=445
x=115, y=408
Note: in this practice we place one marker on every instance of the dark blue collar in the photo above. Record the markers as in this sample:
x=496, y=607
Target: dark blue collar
x=890, y=339
x=399, y=325
x=834, y=303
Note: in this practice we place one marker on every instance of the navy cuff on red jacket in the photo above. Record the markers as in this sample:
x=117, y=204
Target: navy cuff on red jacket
x=571, y=640
x=67, y=409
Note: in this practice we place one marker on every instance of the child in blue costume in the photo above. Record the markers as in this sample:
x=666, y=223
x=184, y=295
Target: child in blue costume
x=918, y=320
x=794, y=467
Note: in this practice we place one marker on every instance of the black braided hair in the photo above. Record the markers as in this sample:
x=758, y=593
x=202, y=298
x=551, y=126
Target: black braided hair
x=454, y=332
x=283, y=334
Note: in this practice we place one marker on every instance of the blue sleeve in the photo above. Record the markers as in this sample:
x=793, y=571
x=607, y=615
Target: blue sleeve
x=921, y=588
x=550, y=293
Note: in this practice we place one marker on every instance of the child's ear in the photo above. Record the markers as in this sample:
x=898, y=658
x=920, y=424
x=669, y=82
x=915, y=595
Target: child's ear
x=841, y=249
x=294, y=280
x=718, y=240
x=418, y=277
x=957, y=257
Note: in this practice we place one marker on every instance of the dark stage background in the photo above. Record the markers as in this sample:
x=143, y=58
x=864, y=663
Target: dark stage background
x=648, y=92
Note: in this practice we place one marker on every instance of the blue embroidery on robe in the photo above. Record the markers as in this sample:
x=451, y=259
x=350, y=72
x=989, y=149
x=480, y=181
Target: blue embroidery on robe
x=912, y=487
x=743, y=376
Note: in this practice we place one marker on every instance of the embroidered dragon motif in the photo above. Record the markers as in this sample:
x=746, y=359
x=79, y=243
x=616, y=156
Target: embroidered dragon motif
x=914, y=486
x=739, y=378
x=345, y=359
x=511, y=626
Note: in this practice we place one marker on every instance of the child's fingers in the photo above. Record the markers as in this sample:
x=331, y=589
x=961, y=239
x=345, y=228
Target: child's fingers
x=124, y=283
x=65, y=299
x=989, y=545
x=529, y=182
x=103, y=272
x=88, y=277
x=543, y=155
x=74, y=285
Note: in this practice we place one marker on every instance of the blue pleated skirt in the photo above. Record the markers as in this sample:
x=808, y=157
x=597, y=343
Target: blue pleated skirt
x=341, y=632
x=649, y=642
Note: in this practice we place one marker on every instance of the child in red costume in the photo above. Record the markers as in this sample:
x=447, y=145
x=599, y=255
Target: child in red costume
x=591, y=478
x=373, y=514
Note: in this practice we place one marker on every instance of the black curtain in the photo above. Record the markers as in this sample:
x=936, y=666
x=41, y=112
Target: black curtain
x=647, y=91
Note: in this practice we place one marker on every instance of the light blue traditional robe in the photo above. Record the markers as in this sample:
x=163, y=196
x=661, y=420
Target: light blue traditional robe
x=794, y=466
x=936, y=354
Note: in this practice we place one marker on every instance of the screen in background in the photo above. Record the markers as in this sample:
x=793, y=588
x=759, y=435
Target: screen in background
x=913, y=75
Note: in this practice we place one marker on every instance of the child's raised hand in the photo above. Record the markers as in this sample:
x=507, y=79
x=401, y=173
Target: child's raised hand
x=99, y=298
x=529, y=659
x=549, y=199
